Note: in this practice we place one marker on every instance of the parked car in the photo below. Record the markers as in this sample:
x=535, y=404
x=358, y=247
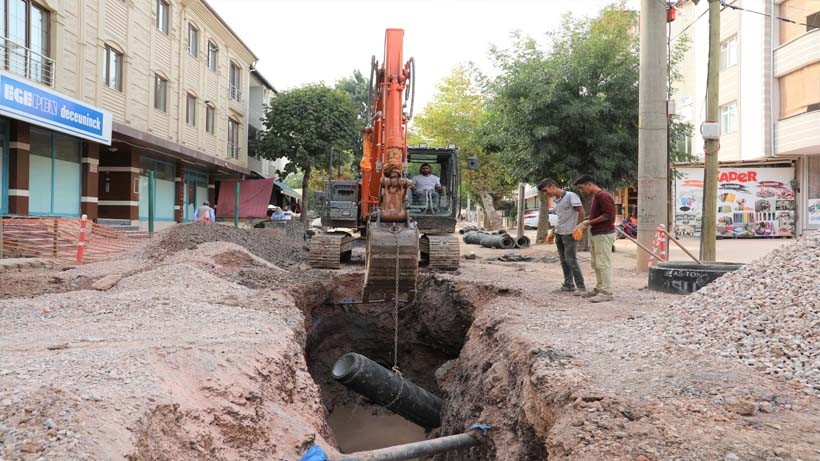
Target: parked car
x=531, y=219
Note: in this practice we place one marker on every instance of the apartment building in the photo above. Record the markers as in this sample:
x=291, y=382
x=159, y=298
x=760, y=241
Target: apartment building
x=101, y=100
x=769, y=102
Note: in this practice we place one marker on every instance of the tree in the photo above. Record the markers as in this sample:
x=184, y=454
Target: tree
x=303, y=124
x=359, y=90
x=455, y=116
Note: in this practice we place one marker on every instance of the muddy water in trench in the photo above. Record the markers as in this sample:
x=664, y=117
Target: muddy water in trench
x=359, y=429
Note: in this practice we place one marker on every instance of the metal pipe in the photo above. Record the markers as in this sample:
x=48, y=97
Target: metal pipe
x=640, y=245
x=388, y=389
x=677, y=242
x=415, y=450
x=504, y=242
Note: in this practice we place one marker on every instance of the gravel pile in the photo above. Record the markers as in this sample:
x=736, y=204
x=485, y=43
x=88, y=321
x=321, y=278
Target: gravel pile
x=268, y=244
x=767, y=314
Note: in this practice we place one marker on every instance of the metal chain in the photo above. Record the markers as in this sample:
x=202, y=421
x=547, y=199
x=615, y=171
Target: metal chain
x=396, y=231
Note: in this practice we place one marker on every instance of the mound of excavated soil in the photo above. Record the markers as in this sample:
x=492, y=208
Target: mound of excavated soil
x=268, y=244
x=766, y=314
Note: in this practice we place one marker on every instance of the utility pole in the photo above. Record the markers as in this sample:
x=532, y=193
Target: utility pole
x=708, y=226
x=652, y=126
x=519, y=219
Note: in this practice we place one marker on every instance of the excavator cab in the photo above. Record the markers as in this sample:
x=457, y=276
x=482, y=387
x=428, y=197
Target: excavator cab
x=434, y=211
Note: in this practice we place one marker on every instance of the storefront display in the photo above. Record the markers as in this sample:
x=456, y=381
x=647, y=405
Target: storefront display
x=752, y=202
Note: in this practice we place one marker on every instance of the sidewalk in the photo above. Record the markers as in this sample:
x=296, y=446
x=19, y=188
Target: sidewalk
x=19, y=263
x=728, y=250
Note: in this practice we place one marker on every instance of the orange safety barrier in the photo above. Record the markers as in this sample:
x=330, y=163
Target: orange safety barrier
x=64, y=239
x=659, y=246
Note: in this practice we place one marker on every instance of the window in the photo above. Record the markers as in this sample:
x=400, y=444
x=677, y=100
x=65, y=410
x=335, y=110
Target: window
x=162, y=16
x=160, y=93
x=55, y=174
x=728, y=118
x=800, y=91
x=728, y=53
x=212, y=51
x=209, y=118
x=190, y=110
x=813, y=22
x=233, y=138
x=24, y=24
x=113, y=68
x=193, y=40
x=234, y=80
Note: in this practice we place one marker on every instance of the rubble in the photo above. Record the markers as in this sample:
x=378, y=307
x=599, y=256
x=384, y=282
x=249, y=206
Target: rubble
x=765, y=315
x=269, y=244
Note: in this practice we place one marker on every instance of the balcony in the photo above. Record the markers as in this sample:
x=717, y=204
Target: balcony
x=800, y=52
x=235, y=94
x=233, y=151
x=798, y=134
x=24, y=62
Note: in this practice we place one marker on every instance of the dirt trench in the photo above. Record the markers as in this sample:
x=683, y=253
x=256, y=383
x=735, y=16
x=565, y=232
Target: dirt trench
x=441, y=350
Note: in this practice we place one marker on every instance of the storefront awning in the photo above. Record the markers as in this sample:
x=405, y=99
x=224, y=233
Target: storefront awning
x=286, y=190
x=254, y=197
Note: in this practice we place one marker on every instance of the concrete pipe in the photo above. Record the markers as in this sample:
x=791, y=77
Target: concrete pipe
x=474, y=237
x=522, y=242
x=414, y=450
x=388, y=389
x=501, y=241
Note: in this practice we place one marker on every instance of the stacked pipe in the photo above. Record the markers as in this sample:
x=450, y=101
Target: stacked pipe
x=496, y=239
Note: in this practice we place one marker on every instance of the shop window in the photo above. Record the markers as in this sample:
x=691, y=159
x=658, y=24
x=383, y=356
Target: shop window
x=54, y=174
x=813, y=192
x=163, y=189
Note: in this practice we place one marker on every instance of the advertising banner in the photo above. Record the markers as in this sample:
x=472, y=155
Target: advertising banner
x=752, y=202
x=24, y=100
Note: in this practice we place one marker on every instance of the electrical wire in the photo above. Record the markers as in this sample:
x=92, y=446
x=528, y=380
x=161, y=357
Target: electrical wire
x=779, y=18
x=690, y=25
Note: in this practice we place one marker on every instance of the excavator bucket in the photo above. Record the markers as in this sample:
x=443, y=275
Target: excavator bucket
x=392, y=261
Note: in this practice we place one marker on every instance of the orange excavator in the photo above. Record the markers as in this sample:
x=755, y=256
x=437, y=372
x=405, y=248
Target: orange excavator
x=400, y=227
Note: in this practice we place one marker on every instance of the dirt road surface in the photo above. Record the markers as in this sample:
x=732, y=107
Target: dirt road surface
x=212, y=352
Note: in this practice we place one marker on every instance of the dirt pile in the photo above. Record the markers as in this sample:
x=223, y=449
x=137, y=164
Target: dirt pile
x=175, y=361
x=270, y=245
x=767, y=315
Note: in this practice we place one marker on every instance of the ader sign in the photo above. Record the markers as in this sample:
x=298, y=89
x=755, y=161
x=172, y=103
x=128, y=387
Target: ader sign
x=734, y=176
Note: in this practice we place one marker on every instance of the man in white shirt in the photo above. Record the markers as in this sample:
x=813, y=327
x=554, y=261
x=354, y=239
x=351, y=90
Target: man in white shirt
x=287, y=215
x=426, y=181
x=205, y=213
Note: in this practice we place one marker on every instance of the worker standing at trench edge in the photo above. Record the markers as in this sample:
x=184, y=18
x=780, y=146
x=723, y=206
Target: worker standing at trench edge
x=570, y=213
x=601, y=224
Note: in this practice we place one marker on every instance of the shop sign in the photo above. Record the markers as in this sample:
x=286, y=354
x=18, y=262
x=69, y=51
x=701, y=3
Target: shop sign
x=751, y=202
x=24, y=100
x=814, y=212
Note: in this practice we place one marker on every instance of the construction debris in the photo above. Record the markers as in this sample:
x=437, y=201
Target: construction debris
x=765, y=315
x=269, y=244
x=107, y=282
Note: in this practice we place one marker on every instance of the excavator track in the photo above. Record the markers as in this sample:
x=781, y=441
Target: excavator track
x=391, y=248
x=327, y=251
x=440, y=252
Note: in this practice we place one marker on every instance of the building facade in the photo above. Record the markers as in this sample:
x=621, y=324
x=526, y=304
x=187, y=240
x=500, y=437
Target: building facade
x=260, y=94
x=769, y=93
x=169, y=80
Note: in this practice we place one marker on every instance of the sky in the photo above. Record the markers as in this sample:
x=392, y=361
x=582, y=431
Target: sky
x=310, y=41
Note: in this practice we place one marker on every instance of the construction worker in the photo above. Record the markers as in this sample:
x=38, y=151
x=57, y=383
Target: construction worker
x=601, y=224
x=570, y=213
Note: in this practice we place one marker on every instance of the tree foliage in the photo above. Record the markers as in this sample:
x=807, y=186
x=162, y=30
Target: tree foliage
x=358, y=88
x=304, y=123
x=454, y=116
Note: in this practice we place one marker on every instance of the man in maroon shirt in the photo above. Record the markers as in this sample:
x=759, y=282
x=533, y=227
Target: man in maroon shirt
x=601, y=224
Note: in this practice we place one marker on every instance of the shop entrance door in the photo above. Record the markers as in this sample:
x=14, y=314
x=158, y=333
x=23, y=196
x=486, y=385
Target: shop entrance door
x=196, y=192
